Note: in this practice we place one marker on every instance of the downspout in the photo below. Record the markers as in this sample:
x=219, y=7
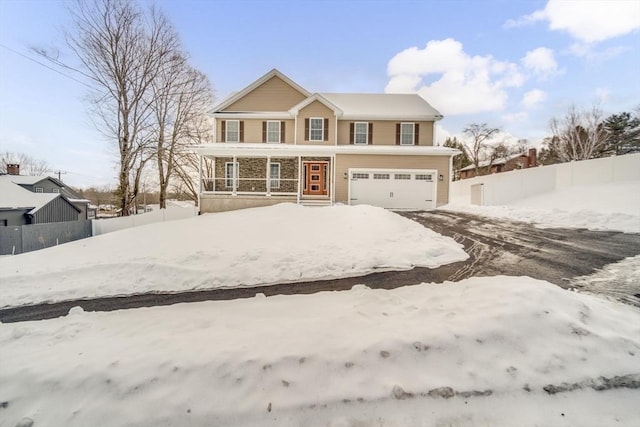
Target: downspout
x=199, y=183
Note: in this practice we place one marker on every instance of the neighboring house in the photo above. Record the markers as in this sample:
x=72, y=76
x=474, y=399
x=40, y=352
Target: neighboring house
x=38, y=199
x=517, y=161
x=277, y=142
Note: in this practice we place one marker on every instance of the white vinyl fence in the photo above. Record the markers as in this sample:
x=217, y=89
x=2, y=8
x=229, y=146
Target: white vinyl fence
x=107, y=225
x=502, y=188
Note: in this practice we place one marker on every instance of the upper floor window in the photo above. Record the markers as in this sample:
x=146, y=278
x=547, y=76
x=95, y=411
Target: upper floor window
x=407, y=133
x=55, y=190
x=361, y=133
x=232, y=131
x=316, y=129
x=273, y=132
x=39, y=189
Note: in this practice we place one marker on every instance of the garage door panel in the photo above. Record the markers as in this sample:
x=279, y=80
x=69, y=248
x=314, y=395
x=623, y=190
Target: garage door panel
x=393, y=189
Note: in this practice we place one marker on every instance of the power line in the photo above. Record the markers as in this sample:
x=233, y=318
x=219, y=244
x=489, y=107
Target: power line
x=45, y=65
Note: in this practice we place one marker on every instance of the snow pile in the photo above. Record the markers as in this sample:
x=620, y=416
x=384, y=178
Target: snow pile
x=613, y=207
x=485, y=351
x=278, y=244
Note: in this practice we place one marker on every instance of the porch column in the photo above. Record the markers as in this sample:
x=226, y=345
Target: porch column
x=213, y=183
x=236, y=175
x=268, y=176
x=199, y=179
x=299, y=192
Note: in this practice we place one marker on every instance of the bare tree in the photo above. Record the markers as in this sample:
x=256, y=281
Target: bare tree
x=121, y=51
x=580, y=134
x=188, y=163
x=28, y=165
x=477, y=146
x=182, y=96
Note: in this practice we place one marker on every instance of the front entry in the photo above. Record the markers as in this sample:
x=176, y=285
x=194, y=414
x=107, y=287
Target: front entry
x=315, y=178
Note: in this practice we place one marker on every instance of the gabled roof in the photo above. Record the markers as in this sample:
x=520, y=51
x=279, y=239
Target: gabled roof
x=496, y=162
x=273, y=73
x=66, y=191
x=316, y=97
x=16, y=197
x=383, y=106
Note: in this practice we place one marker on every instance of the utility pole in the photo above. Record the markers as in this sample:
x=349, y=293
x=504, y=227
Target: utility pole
x=60, y=173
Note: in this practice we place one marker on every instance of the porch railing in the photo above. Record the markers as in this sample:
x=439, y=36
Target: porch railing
x=251, y=186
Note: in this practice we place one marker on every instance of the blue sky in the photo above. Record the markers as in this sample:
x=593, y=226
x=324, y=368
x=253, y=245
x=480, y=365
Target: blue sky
x=512, y=64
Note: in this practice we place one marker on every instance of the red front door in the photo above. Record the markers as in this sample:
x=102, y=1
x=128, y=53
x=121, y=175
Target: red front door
x=315, y=179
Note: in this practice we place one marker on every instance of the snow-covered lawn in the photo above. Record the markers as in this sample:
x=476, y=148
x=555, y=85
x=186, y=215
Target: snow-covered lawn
x=278, y=244
x=613, y=207
x=482, y=352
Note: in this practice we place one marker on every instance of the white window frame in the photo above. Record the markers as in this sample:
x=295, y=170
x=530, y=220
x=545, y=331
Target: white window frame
x=226, y=131
x=55, y=190
x=274, y=181
x=39, y=190
x=366, y=133
x=311, y=128
x=229, y=181
x=413, y=133
x=279, y=131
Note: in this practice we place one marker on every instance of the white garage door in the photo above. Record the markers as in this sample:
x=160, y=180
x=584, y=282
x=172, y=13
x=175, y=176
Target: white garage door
x=393, y=188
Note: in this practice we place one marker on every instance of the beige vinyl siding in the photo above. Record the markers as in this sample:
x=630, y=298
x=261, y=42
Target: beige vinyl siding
x=316, y=109
x=384, y=132
x=253, y=130
x=346, y=161
x=272, y=95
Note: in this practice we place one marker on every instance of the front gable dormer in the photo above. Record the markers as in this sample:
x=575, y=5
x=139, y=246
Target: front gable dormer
x=273, y=92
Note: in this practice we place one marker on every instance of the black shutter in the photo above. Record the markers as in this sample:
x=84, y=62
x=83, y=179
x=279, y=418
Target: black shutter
x=416, y=136
x=370, y=133
x=397, y=133
x=326, y=129
x=351, y=131
x=223, y=138
x=306, y=129
x=241, y=139
x=282, y=131
x=264, y=131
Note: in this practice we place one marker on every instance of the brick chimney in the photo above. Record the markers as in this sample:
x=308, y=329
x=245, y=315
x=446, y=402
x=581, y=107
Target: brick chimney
x=532, y=158
x=13, y=169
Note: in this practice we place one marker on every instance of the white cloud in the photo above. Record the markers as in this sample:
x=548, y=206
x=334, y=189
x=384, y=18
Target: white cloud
x=541, y=62
x=533, y=98
x=515, y=117
x=464, y=84
x=587, y=21
x=587, y=51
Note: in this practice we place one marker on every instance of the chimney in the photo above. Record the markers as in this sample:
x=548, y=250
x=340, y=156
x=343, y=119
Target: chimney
x=13, y=169
x=532, y=158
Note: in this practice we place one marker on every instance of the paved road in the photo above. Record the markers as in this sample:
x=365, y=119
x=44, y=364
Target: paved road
x=496, y=247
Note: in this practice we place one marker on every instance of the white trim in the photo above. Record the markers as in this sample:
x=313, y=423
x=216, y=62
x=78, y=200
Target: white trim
x=270, y=179
x=290, y=150
x=200, y=182
x=299, y=179
x=262, y=115
x=325, y=162
x=38, y=190
x=322, y=119
x=226, y=130
x=267, y=131
x=413, y=133
x=235, y=172
x=295, y=110
x=366, y=134
x=333, y=178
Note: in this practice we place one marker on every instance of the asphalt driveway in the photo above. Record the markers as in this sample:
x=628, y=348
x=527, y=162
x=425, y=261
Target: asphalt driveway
x=496, y=247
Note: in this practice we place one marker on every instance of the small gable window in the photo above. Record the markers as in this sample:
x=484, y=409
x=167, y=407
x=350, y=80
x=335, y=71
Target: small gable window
x=55, y=190
x=39, y=189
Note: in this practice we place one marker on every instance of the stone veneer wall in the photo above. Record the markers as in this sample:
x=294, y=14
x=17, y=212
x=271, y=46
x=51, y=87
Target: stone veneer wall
x=253, y=172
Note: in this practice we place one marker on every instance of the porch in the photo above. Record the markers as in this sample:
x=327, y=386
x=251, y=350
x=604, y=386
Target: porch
x=242, y=177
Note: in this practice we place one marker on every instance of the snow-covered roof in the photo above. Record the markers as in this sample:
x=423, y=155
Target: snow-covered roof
x=382, y=106
x=16, y=197
x=289, y=150
x=496, y=162
x=26, y=179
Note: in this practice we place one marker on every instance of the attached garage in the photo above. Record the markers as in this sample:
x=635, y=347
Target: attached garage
x=393, y=188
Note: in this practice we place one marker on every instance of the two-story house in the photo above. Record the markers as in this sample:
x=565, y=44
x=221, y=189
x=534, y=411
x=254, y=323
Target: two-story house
x=277, y=142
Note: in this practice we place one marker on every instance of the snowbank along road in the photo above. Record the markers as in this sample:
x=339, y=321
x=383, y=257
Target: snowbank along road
x=496, y=247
